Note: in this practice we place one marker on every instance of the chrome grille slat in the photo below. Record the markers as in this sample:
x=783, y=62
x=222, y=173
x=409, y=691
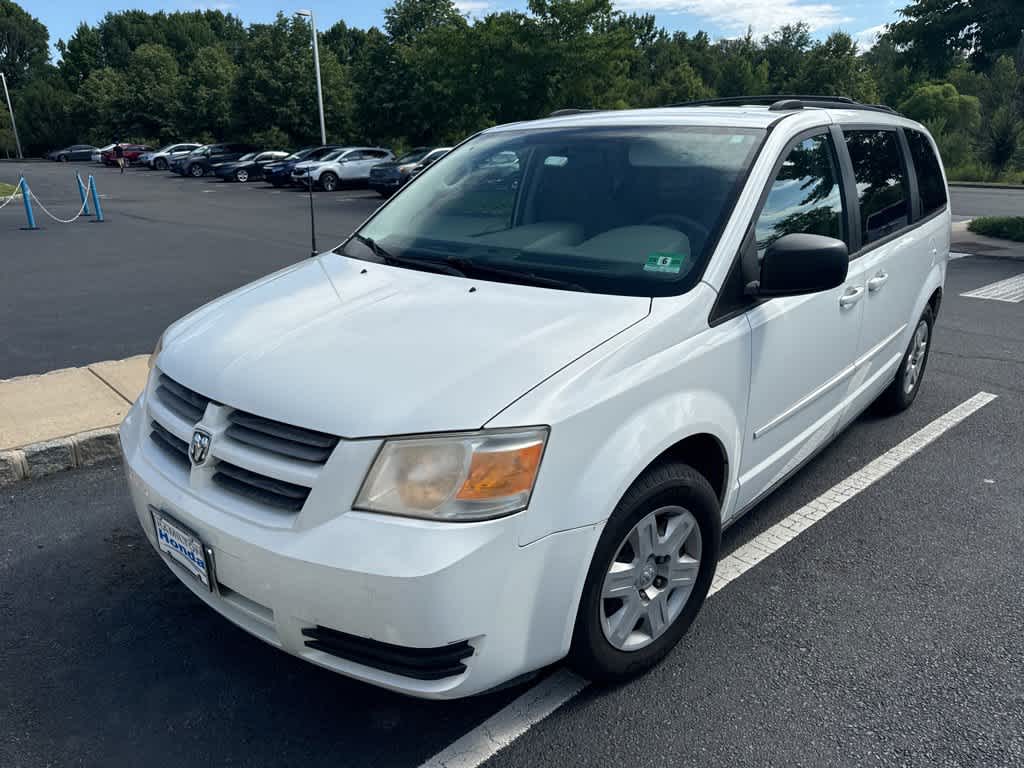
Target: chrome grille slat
x=173, y=445
x=183, y=401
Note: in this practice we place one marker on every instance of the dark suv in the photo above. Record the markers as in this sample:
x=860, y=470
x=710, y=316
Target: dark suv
x=199, y=163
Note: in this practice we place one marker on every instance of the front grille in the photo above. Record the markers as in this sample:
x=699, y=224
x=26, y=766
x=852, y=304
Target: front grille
x=279, y=438
x=260, y=488
x=172, y=445
x=183, y=401
x=417, y=663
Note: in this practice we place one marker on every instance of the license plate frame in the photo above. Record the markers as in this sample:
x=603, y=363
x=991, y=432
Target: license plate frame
x=191, y=553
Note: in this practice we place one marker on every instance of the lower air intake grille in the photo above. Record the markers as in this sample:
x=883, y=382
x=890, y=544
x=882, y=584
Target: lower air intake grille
x=417, y=663
x=267, y=490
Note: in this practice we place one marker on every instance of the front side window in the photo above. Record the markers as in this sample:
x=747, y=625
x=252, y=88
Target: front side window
x=930, y=184
x=881, y=182
x=622, y=210
x=806, y=195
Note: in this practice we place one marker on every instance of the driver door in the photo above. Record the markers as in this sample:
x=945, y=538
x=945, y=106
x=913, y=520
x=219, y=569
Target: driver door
x=803, y=348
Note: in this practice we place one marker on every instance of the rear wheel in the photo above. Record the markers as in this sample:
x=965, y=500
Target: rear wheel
x=329, y=181
x=650, y=574
x=62, y=158
x=241, y=175
x=196, y=171
x=903, y=390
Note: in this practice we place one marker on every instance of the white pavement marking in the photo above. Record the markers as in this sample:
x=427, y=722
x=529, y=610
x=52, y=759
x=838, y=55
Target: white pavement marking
x=1011, y=289
x=516, y=718
x=954, y=255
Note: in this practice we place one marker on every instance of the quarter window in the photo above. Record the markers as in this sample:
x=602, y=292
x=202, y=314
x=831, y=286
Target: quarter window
x=929, y=173
x=805, y=196
x=881, y=182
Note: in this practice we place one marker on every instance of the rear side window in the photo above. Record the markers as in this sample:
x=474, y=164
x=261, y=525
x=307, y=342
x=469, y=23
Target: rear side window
x=881, y=182
x=805, y=196
x=929, y=173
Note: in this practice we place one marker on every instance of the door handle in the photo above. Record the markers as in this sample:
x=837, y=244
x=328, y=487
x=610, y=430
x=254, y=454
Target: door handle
x=851, y=297
x=876, y=282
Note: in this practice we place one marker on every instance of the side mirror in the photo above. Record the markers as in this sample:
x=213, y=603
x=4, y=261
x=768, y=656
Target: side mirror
x=799, y=264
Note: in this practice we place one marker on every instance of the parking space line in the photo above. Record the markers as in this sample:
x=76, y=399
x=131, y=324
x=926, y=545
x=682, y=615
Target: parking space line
x=516, y=718
x=1011, y=290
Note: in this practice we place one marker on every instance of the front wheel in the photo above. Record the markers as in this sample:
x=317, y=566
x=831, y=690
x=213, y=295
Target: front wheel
x=903, y=390
x=329, y=181
x=197, y=171
x=241, y=175
x=62, y=158
x=160, y=164
x=651, y=571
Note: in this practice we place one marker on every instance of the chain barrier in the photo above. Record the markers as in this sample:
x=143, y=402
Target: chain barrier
x=9, y=200
x=55, y=218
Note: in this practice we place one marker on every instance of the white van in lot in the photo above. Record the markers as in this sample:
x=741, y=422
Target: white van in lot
x=507, y=420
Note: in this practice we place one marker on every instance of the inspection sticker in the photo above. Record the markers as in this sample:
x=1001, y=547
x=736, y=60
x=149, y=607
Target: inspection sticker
x=665, y=262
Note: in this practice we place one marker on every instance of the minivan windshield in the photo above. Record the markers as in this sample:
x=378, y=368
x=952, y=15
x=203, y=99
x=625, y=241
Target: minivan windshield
x=624, y=210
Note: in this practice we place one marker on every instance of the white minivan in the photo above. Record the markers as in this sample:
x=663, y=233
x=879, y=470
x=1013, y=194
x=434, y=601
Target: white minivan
x=506, y=421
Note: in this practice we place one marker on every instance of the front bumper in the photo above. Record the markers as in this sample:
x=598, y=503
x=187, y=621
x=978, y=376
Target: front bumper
x=387, y=581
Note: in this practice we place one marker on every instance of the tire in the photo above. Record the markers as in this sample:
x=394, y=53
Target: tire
x=196, y=171
x=160, y=164
x=673, y=494
x=241, y=176
x=328, y=181
x=903, y=390
x=62, y=158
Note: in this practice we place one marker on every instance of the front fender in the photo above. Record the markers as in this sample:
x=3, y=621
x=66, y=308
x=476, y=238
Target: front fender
x=614, y=411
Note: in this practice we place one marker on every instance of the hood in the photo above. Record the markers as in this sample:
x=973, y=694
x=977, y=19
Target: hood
x=325, y=346
x=306, y=164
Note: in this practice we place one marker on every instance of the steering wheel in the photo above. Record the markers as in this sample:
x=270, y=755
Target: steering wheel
x=684, y=224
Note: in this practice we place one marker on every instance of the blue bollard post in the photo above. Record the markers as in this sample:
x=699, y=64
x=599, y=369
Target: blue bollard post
x=26, y=198
x=82, y=194
x=95, y=200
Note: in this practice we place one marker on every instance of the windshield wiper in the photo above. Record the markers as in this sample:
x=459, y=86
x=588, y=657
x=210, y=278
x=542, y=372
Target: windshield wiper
x=470, y=266
x=426, y=265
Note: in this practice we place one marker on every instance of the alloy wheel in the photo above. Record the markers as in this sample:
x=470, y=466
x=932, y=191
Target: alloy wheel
x=916, y=356
x=650, y=578
x=328, y=181
x=242, y=175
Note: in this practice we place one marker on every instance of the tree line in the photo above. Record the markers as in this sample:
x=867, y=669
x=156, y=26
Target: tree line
x=432, y=76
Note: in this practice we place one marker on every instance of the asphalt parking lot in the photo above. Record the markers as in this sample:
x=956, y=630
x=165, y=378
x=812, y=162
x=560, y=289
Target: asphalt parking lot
x=886, y=634
x=76, y=293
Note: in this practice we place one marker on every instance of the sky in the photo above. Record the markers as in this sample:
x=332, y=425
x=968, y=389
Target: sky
x=720, y=18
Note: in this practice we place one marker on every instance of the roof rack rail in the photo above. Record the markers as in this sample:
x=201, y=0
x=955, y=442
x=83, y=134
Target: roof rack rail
x=570, y=111
x=781, y=102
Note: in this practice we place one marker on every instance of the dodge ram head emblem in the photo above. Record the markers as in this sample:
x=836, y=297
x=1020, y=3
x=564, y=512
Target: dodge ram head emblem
x=200, y=447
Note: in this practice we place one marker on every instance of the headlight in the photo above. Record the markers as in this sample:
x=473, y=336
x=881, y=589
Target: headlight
x=406, y=169
x=459, y=477
x=156, y=351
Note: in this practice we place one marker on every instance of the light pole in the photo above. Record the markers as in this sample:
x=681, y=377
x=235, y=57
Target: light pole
x=316, y=66
x=14, y=126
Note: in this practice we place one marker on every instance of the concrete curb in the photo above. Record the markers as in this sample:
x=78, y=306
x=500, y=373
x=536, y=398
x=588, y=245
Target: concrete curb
x=85, y=449
x=985, y=185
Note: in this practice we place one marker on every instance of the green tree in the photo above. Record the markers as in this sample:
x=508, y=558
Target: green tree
x=152, y=97
x=1002, y=138
x=81, y=55
x=207, y=99
x=24, y=43
x=44, y=106
x=100, y=105
x=834, y=68
x=785, y=51
x=407, y=19
x=941, y=101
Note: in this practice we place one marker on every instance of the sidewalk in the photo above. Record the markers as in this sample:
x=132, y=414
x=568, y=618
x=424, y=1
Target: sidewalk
x=66, y=418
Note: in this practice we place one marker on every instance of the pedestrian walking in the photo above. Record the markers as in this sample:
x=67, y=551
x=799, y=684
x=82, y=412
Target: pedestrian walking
x=119, y=156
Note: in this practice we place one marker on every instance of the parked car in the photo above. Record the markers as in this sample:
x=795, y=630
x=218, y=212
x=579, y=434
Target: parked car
x=247, y=167
x=97, y=154
x=75, y=152
x=160, y=159
x=429, y=159
x=132, y=152
x=200, y=162
x=348, y=165
x=280, y=173
x=176, y=160
x=387, y=178
x=505, y=423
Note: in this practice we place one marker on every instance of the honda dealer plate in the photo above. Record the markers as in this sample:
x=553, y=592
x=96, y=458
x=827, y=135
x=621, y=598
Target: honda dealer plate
x=183, y=546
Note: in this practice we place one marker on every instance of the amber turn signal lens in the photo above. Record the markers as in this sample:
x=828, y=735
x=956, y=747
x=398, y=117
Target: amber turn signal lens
x=496, y=474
